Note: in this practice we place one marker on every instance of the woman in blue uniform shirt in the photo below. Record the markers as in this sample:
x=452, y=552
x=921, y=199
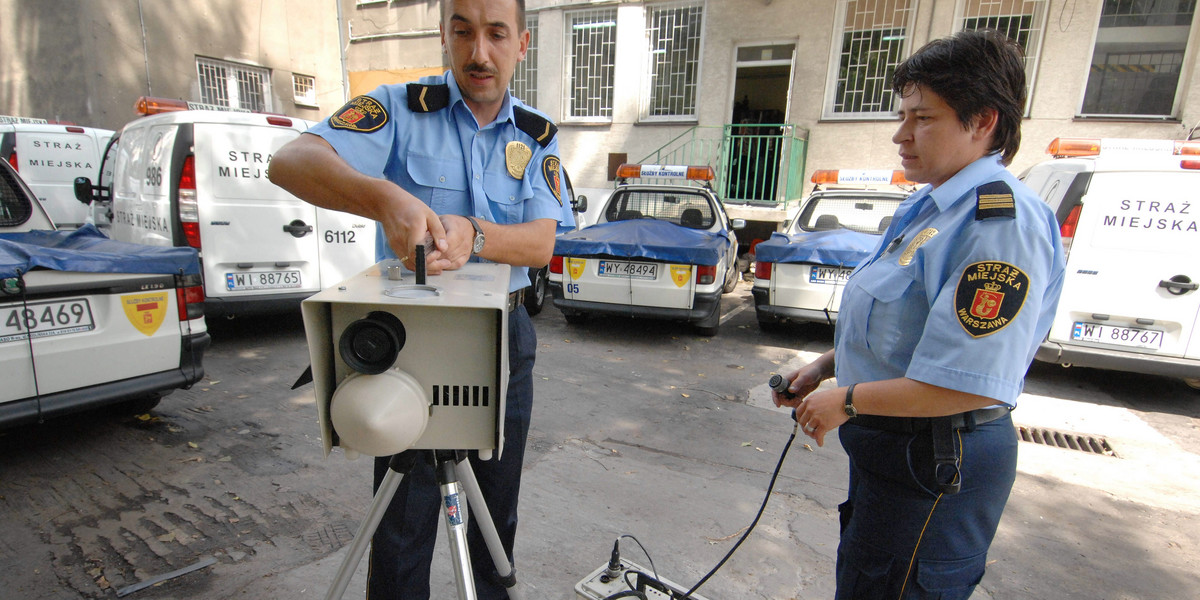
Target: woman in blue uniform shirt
x=936, y=331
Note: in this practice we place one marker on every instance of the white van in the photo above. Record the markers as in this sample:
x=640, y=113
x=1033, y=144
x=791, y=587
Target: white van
x=49, y=156
x=185, y=177
x=1129, y=219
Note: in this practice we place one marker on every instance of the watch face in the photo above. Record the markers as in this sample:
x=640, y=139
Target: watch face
x=478, y=247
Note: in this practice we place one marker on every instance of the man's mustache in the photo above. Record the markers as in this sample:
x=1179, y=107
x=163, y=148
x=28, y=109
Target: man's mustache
x=478, y=68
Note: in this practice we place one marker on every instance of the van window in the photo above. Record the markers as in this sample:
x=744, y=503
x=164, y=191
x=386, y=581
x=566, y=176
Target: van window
x=15, y=207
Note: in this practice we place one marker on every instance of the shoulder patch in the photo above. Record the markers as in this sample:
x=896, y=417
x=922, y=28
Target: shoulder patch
x=989, y=296
x=551, y=171
x=428, y=98
x=362, y=113
x=538, y=127
x=993, y=201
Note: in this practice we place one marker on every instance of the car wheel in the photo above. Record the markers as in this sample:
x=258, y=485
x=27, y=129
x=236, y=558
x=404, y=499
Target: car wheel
x=1192, y=382
x=535, y=296
x=731, y=281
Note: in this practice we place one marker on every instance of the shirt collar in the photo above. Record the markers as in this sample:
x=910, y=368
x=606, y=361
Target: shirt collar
x=965, y=180
x=456, y=99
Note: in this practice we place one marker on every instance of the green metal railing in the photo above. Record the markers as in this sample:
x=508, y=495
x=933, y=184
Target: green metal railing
x=754, y=163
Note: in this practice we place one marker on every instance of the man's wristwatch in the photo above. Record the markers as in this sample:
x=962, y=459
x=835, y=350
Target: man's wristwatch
x=477, y=242
x=850, y=410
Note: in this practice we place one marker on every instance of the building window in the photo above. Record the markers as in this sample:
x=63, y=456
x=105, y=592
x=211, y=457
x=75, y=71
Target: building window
x=674, y=34
x=591, y=46
x=524, y=81
x=235, y=86
x=1021, y=20
x=874, y=40
x=304, y=89
x=1138, y=57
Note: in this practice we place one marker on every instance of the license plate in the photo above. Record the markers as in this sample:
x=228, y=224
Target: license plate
x=834, y=275
x=1133, y=337
x=262, y=280
x=632, y=270
x=45, y=319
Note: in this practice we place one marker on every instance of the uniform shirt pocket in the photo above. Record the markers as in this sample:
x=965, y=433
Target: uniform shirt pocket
x=444, y=182
x=505, y=195
x=895, y=317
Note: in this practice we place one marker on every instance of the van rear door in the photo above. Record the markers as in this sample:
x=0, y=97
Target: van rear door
x=50, y=157
x=256, y=239
x=1136, y=236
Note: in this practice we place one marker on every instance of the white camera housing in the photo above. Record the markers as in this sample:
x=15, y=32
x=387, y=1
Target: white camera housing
x=452, y=362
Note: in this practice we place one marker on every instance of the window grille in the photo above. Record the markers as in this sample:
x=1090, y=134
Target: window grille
x=236, y=86
x=304, y=89
x=874, y=40
x=1024, y=21
x=524, y=81
x=1138, y=58
x=591, y=45
x=674, y=34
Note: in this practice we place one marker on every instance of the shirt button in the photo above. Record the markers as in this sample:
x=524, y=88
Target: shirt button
x=477, y=177
x=442, y=179
x=511, y=198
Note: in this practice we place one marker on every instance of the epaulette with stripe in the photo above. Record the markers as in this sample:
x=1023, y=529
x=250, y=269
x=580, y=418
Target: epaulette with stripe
x=424, y=98
x=994, y=201
x=538, y=127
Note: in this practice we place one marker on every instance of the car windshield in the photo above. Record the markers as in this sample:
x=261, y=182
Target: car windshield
x=687, y=209
x=865, y=214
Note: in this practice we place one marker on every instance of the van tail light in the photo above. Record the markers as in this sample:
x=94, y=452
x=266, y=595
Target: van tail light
x=556, y=264
x=1067, y=229
x=762, y=270
x=189, y=210
x=12, y=160
x=706, y=274
x=279, y=120
x=189, y=296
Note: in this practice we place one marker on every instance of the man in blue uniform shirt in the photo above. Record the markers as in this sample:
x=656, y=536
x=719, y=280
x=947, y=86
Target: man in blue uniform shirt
x=936, y=331
x=456, y=163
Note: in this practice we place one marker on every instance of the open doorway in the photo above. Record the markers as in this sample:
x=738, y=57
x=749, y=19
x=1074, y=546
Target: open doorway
x=762, y=86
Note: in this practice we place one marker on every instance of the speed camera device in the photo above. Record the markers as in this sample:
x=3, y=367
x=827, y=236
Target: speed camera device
x=402, y=364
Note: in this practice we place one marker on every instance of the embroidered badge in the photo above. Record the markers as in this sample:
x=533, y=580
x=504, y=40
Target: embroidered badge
x=363, y=114
x=516, y=158
x=989, y=296
x=918, y=241
x=550, y=170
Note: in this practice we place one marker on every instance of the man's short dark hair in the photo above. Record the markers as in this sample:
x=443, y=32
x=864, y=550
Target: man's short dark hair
x=973, y=71
x=520, y=14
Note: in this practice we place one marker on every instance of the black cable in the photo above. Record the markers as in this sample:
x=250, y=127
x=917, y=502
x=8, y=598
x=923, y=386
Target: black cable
x=653, y=569
x=770, y=488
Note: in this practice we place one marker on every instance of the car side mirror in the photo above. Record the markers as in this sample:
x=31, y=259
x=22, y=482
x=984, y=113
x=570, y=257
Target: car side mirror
x=83, y=190
x=579, y=204
x=737, y=223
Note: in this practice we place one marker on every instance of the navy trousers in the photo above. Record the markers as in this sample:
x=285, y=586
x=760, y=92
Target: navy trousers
x=403, y=545
x=903, y=540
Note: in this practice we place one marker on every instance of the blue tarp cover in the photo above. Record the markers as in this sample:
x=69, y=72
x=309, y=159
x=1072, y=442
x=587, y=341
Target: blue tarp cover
x=88, y=250
x=841, y=247
x=645, y=238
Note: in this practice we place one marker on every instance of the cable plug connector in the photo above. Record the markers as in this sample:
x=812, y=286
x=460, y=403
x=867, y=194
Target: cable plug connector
x=614, y=564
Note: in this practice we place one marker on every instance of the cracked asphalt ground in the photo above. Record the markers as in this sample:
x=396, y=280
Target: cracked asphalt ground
x=640, y=428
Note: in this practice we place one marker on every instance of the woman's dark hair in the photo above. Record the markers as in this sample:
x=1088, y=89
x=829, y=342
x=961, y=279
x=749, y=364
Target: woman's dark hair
x=973, y=71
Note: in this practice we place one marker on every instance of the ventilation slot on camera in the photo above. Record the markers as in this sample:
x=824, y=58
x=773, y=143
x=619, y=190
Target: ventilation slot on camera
x=460, y=395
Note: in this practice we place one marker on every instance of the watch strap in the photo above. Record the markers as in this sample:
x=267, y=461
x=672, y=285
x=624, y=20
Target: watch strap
x=476, y=245
x=849, y=408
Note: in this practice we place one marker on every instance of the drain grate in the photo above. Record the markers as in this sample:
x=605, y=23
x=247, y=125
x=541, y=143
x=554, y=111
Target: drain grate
x=1069, y=441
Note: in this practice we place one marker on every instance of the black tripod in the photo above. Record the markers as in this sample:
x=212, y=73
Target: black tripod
x=446, y=465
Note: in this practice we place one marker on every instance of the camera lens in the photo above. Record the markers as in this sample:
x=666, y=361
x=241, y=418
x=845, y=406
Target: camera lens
x=370, y=344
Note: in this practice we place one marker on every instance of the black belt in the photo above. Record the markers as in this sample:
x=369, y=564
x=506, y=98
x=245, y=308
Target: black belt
x=515, y=299
x=962, y=421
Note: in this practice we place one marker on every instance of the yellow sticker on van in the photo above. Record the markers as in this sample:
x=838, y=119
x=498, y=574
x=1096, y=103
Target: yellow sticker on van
x=681, y=274
x=575, y=267
x=146, y=312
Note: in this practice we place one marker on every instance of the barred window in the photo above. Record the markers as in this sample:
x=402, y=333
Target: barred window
x=236, y=86
x=1024, y=21
x=591, y=46
x=874, y=40
x=304, y=89
x=674, y=33
x=524, y=81
x=1138, y=58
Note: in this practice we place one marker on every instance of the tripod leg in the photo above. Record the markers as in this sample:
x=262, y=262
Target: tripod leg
x=456, y=523
x=488, y=528
x=400, y=465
